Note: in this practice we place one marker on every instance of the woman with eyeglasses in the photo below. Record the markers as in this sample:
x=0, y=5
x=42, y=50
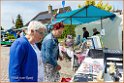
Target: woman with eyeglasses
x=50, y=54
x=25, y=56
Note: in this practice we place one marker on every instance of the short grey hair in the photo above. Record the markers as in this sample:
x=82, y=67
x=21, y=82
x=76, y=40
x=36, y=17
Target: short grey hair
x=35, y=25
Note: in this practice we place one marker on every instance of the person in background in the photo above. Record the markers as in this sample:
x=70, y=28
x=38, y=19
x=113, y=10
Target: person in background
x=22, y=33
x=23, y=63
x=18, y=34
x=85, y=33
x=78, y=40
x=50, y=54
x=95, y=32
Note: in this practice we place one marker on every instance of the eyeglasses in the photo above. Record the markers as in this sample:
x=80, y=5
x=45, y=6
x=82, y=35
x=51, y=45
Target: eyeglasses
x=41, y=33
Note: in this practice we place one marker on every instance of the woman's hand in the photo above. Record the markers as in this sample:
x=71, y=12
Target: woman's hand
x=58, y=67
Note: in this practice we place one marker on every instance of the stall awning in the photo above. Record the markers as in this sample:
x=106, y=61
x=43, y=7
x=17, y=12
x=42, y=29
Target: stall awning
x=83, y=15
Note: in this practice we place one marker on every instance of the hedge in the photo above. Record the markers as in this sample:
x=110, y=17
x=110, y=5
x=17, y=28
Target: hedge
x=68, y=30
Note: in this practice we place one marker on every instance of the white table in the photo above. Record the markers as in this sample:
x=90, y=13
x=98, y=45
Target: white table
x=88, y=60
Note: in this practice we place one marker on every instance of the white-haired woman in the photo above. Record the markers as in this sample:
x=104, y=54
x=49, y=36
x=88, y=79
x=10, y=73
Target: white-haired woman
x=23, y=65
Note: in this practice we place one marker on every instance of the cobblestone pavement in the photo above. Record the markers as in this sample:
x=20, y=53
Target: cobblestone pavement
x=65, y=71
x=4, y=64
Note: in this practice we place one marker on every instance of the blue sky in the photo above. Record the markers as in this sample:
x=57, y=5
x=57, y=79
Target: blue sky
x=29, y=9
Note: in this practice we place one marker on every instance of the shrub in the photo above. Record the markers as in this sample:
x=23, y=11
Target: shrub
x=68, y=30
x=11, y=37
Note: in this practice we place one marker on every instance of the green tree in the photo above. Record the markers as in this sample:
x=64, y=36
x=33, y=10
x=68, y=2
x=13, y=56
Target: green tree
x=106, y=6
x=19, y=22
x=80, y=6
x=90, y=2
x=100, y=5
x=2, y=28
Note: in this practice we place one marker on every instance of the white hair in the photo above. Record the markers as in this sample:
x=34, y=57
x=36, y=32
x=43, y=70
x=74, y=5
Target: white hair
x=35, y=25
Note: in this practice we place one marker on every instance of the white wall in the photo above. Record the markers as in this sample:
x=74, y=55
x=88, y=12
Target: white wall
x=113, y=32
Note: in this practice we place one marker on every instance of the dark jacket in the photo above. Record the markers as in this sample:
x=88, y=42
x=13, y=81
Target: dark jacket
x=86, y=34
x=96, y=33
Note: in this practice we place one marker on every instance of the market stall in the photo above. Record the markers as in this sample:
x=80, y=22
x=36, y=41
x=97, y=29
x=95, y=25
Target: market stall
x=91, y=63
x=90, y=50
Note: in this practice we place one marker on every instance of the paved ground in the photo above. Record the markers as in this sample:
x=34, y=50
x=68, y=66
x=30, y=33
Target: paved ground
x=65, y=71
x=4, y=64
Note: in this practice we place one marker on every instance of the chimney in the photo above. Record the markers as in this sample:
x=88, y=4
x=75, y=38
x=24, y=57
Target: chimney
x=50, y=9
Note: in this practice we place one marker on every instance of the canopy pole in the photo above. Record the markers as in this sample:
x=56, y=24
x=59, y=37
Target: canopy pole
x=101, y=24
x=86, y=11
x=71, y=20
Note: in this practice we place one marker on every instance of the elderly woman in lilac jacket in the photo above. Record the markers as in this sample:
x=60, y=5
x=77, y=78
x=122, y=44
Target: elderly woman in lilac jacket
x=50, y=53
x=23, y=65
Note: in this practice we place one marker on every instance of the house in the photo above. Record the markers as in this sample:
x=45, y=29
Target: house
x=45, y=16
